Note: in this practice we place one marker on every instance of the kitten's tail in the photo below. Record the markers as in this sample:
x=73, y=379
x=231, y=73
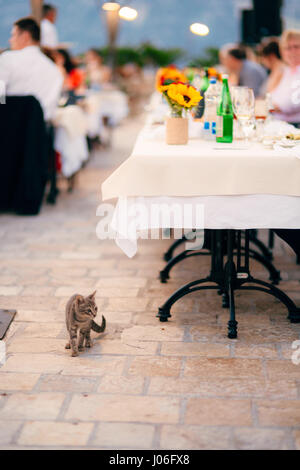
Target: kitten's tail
x=98, y=328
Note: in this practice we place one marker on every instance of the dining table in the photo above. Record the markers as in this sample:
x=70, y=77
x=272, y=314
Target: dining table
x=225, y=190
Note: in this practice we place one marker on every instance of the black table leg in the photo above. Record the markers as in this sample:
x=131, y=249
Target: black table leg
x=261, y=246
x=230, y=278
x=271, y=240
x=164, y=275
x=170, y=253
x=216, y=276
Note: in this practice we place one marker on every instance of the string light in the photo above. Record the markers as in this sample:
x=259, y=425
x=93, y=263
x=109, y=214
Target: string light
x=199, y=29
x=127, y=13
x=111, y=6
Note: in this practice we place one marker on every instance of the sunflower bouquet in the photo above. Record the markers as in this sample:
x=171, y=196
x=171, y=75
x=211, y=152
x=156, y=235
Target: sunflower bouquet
x=179, y=94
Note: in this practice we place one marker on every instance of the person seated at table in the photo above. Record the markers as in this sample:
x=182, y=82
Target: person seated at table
x=73, y=76
x=248, y=73
x=271, y=59
x=286, y=95
x=97, y=74
x=25, y=70
x=131, y=80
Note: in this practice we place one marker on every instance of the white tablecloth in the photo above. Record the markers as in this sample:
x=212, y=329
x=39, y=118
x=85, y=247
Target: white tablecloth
x=133, y=216
x=142, y=183
x=107, y=103
x=202, y=168
x=71, y=127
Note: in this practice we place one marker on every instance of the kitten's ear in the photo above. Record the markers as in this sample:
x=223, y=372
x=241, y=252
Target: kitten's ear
x=79, y=299
x=92, y=296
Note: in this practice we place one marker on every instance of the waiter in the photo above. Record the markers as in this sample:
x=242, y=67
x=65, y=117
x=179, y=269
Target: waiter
x=49, y=36
x=25, y=70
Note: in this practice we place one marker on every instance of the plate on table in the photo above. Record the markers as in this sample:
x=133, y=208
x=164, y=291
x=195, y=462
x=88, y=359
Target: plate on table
x=288, y=143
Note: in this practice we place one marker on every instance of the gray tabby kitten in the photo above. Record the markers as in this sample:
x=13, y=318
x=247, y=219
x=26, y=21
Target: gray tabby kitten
x=80, y=314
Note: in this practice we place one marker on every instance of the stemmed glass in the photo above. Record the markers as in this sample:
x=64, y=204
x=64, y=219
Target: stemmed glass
x=261, y=115
x=243, y=102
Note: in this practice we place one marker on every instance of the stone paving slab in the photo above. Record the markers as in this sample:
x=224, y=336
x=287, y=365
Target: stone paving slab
x=144, y=385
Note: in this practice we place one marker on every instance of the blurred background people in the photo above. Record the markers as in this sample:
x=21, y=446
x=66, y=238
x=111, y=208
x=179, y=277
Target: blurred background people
x=73, y=76
x=286, y=95
x=25, y=70
x=246, y=72
x=271, y=59
x=131, y=81
x=97, y=74
x=49, y=36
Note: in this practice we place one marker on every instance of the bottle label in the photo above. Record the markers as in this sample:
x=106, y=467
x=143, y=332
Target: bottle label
x=219, y=126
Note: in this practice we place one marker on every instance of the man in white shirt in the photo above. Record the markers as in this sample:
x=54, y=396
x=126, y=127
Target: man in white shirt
x=49, y=36
x=25, y=70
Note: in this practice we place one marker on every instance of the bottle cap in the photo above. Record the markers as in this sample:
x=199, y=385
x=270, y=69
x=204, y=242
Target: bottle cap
x=206, y=126
x=225, y=76
x=213, y=80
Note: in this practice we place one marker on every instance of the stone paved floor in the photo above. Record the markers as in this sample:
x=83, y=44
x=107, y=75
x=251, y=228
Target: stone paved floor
x=181, y=385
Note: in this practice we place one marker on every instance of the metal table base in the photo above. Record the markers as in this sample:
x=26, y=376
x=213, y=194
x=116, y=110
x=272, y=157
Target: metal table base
x=230, y=253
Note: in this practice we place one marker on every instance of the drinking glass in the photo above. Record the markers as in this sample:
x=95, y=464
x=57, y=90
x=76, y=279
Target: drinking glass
x=261, y=109
x=261, y=114
x=243, y=102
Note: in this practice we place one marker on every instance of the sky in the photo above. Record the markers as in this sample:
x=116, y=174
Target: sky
x=165, y=23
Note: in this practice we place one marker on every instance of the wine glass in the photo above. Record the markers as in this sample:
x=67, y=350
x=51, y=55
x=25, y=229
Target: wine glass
x=243, y=102
x=261, y=109
x=261, y=114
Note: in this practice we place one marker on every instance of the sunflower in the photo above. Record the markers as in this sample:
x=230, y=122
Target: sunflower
x=166, y=76
x=183, y=95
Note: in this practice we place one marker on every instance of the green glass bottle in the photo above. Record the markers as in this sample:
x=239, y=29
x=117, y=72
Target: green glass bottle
x=225, y=115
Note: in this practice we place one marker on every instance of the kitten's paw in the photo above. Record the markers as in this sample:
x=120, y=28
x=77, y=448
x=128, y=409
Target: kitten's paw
x=88, y=344
x=81, y=348
x=68, y=346
x=74, y=353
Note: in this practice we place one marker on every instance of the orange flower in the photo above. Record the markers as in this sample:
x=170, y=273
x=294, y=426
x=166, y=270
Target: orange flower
x=213, y=73
x=166, y=76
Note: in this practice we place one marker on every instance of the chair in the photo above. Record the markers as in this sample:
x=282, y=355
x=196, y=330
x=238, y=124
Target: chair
x=24, y=160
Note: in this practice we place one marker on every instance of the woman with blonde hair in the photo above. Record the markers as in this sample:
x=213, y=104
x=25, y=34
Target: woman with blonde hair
x=286, y=96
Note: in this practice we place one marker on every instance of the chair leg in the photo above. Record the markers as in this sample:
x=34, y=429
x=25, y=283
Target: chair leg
x=53, y=192
x=71, y=183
